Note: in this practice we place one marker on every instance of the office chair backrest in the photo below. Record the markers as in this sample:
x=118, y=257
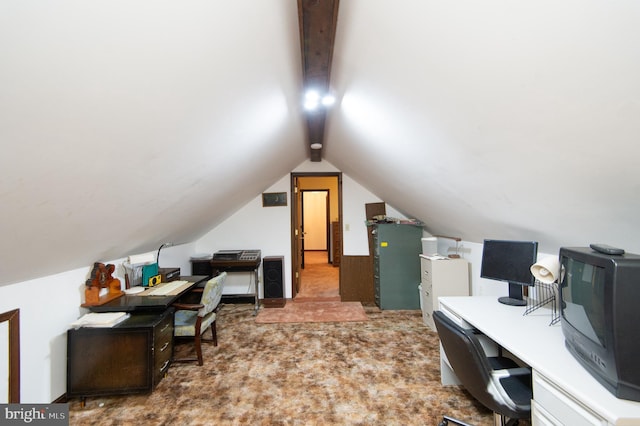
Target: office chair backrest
x=472, y=367
x=212, y=294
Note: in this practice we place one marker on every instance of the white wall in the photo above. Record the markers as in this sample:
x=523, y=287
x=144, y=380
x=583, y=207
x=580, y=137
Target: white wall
x=472, y=252
x=47, y=306
x=354, y=229
x=269, y=228
x=255, y=227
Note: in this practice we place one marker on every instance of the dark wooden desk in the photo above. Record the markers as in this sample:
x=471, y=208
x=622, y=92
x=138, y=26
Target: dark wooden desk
x=134, y=303
x=131, y=357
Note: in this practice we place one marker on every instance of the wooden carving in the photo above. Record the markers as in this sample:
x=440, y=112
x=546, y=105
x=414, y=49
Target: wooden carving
x=101, y=277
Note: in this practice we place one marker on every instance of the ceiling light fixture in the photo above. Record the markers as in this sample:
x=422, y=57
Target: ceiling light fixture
x=316, y=146
x=313, y=100
x=328, y=100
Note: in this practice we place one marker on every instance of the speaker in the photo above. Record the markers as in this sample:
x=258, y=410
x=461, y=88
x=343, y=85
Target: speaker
x=201, y=267
x=273, y=279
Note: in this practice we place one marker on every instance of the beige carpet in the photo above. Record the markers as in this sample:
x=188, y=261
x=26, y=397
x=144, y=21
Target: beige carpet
x=384, y=371
x=317, y=311
x=318, y=279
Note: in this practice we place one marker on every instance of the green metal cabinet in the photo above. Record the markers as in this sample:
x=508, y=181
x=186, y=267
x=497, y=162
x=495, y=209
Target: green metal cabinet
x=397, y=265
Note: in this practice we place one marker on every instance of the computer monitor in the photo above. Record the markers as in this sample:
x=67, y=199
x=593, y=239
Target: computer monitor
x=510, y=261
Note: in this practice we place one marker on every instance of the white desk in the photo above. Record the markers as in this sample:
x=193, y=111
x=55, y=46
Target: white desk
x=564, y=393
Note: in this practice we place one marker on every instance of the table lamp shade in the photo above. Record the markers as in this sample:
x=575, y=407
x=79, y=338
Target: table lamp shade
x=546, y=270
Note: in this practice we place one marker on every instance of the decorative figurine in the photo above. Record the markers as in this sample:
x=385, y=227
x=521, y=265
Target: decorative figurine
x=101, y=277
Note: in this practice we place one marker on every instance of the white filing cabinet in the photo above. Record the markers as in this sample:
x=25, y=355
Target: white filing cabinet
x=441, y=277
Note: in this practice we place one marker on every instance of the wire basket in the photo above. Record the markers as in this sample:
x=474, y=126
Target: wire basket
x=134, y=272
x=545, y=294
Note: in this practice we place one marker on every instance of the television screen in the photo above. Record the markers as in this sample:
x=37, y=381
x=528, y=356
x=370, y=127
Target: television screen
x=599, y=295
x=583, y=298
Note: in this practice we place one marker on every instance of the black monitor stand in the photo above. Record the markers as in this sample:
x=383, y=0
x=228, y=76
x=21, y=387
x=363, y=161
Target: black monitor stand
x=515, y=297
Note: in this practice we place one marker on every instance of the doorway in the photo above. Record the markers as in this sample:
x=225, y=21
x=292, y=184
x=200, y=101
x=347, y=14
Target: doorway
x=316, y=215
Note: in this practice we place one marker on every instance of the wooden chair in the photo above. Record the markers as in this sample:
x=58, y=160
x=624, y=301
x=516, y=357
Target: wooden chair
x=191, y=320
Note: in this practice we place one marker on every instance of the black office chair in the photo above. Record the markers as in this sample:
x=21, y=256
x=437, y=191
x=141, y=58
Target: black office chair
x=497, y=382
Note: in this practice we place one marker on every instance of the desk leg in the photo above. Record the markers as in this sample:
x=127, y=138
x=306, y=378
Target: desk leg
x=447, y=376
x=257, y=292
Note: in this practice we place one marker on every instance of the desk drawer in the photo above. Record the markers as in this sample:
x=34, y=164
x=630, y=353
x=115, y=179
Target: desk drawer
x=556, y=404
x=426, y=266
x=164, y=328
x=162, y=363
x=162, y=346
x=540, y=416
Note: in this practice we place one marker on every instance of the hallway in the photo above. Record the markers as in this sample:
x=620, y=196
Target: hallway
x=319, y=279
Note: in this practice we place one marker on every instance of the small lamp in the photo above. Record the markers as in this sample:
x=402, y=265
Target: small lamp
x=158, y=256
x=546, y=270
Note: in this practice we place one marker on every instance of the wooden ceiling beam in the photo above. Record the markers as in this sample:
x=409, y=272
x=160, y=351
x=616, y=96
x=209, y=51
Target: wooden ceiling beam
x=317, y=21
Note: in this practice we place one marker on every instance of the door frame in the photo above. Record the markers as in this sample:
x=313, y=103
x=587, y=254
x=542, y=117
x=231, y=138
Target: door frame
x=296, y=206
x=12, y=318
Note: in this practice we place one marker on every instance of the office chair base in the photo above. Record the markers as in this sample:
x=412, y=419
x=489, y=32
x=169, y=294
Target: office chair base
x=498, y=420
x=446, y=419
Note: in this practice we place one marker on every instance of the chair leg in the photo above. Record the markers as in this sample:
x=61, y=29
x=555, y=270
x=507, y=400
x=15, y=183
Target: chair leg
x=214, y=334
x=198, y=348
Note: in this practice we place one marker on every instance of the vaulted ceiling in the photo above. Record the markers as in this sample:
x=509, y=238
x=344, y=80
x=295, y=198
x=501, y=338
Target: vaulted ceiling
x=127, y=123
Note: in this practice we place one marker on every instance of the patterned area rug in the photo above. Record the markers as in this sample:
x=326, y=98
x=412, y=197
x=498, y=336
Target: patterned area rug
x=384, y=371
x=294, y=312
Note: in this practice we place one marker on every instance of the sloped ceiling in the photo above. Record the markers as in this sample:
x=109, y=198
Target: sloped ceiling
x=127, y=123
x=123, y=120
x=494, y=119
